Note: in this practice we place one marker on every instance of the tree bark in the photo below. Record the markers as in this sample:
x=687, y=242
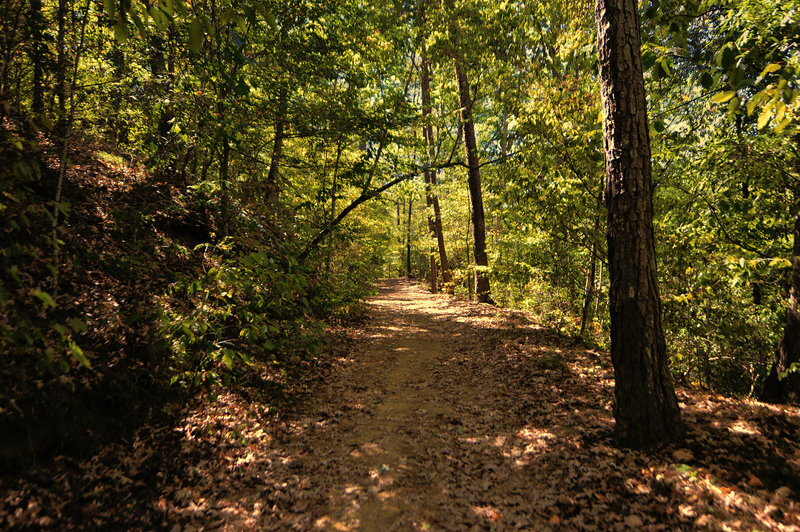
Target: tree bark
x=273, y=188
x=481, y=261
x=61, y=66
x=224, y=207
x=408, y=239
x=646, y=408
x=36, y=26
x=586, y=315
x=430, y=175
x=777, y=389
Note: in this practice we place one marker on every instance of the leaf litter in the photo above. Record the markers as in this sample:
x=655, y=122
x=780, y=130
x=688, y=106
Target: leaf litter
x=435, y=414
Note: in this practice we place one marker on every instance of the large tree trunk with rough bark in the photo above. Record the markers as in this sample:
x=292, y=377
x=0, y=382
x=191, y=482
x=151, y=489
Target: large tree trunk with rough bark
x=777, y=389
x=646, y=408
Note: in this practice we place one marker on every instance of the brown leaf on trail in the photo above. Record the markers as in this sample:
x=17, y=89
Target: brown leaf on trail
x=754, y=482
x=634, y=521
x=682, y=455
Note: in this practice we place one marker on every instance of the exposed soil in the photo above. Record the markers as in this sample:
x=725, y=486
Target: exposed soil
x=436, y=414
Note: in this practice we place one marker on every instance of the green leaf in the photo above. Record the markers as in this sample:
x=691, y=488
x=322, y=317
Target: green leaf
x=45, y=298
x=665, y=65
x=271, y=20
x=780, y=127
x=733, y=105
x=780, y=261
x=77, y=325
x=196, y=35
x=138, y=22
x=752, y=102
x=159, y=18
x=722, y=97
x=706, y=80
x=728, y=56
x=769, y=69
x=121, y=32
x=79, y=355
x=764, y=118
x=110, y=7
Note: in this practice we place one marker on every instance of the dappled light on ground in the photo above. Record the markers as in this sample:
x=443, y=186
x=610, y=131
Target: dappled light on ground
x=434, y=415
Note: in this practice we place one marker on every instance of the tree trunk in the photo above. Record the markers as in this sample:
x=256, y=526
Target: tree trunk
x=586, y=315
x=408, y=240
x=61, y=66
x=430, y=175
x=777, y=389
x=36, y=26
x=224, y=163
x=481, y=280
x=273, y=188
x=646, y=408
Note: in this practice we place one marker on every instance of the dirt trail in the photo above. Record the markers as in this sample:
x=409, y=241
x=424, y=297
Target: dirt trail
x=453, y=416
x=416, y=431
x=400, y=421
x=436, y=414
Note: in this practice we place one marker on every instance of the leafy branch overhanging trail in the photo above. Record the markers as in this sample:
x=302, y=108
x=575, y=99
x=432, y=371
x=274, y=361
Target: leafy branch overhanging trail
x=434, y=414
x=367, y=195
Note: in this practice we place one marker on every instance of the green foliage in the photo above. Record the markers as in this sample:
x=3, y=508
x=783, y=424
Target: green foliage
x=254, y=309
x=33, y=333
x=244, y=309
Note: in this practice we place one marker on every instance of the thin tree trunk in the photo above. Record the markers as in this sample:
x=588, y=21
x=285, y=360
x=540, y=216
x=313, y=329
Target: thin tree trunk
x=646, y=408
x=66, y=127
x=408, y=239
x=599, y=289
x=470, y=284
x=586, y=315
x=273, y=188
x=430, y=175
x=61, y=66
x=481, y=280
x=334, y=185
x=224, y=162
x=38, y=50
x=777, y=389
x=589, y=305
x=397, y=204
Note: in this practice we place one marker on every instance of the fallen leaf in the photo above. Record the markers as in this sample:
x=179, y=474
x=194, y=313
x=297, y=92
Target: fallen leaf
x=682, y=455
x=634, y=521
x=754, y=482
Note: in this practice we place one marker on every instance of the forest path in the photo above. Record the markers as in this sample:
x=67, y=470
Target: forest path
x=418, y=429
x=447, y=415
